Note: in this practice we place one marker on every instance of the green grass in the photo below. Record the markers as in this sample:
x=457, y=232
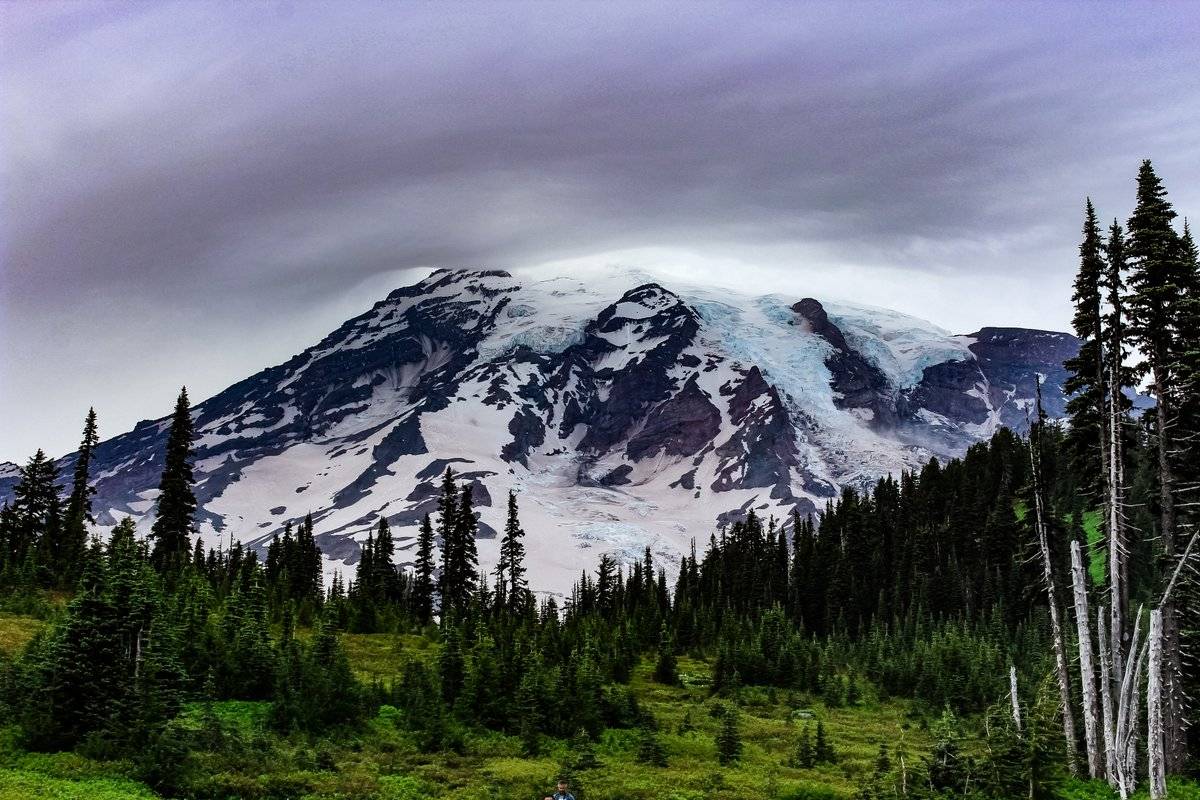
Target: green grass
x=16, y=630
x=1094, y=530
x=383, y=762
x=61, y=776
x=381, y=655
x=24, y=785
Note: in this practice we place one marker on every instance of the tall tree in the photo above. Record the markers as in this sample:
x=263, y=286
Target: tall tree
x=1056, y=628
x=1157, y=285
x=1086, y=384
x=465, y=566
x=510, y=569
x=446, y=531
x=1119, y=376
x=423, y=584
x=175, y=524
x=79, y=504
x=35, y=534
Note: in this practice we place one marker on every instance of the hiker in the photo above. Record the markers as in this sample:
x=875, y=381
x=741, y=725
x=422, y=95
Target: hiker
x=562, y=792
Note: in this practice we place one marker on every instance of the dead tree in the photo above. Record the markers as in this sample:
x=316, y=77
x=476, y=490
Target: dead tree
x=1157, y=734
x=1118, y=584
x=1087, y=674
x=1154, y=714
x=1060, y=654
x=1124, y=736
x=1104, y=656
x=1012, y=691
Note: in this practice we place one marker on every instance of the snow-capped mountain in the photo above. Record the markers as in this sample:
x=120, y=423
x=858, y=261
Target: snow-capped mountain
x=625, y=412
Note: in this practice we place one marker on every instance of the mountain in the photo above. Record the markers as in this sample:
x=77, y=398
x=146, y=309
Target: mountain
x=625, y=412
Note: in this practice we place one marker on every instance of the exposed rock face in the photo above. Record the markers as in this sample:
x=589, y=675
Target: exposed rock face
x=625, y=417
x=680, y=426
x=857, y=382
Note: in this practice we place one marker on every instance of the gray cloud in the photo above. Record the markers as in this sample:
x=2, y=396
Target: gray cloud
x=193, y=191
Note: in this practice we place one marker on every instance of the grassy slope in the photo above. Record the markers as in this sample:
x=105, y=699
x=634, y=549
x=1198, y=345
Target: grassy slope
x=16, y=631
x=383, y=763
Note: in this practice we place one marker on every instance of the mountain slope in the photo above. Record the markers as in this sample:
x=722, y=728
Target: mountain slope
x=626, y=413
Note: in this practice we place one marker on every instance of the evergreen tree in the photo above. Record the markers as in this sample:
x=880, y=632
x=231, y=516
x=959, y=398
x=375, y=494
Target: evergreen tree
x=823, y=750
x=510, y=568
x=1085, y=385
x=650, y=749
x=451, y=667
x=666, y=669
x=804, y=756
x=460, y=564
x=423, y=586
x=79, y=504
x=174, y=524
x=1158, y=288
x=729, y=739
x=34, y=526
x=447, y=529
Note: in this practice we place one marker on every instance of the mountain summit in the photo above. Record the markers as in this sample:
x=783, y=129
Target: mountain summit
x=626, y=413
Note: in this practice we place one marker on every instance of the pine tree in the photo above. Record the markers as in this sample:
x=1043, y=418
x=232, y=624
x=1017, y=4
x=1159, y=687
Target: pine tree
x=447, y=529
x=384, y=578
x=729, y=739
x=1086, y=384
x=451, y=667
x=79, y=504
x=528, y=705
x=822, y=748
x=804, y=756
x=461, y=561
x=650, y=749
x=1158, y=284
x=35, y=526
x=174, y=524
x=666, y=669
x=423, y=579
x=510, y=568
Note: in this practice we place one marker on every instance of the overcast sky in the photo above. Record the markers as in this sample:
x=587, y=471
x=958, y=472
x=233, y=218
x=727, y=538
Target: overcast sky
x=193, y=192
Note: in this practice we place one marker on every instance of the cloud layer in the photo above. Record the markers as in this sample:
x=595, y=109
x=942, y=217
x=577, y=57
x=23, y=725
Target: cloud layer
x=193, y=191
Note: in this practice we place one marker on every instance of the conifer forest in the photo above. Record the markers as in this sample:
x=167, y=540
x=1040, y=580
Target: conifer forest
x=1020, y=622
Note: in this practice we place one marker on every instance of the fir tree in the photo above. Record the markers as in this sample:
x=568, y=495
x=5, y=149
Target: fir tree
x=423, y=586
x=650, y=749
x=174, y=524
x=803, y=755
x=447, y=527
x=79, y=504
x=729, y=739
x=461, y=561
x=451, y=667
x=1086, y=384
x=666, y=669
x=510, y=568
x=34, y=535
x=823, y=750
x=1158, y=286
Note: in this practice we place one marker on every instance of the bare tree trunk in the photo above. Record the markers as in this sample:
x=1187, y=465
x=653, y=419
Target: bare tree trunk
x=1106, y=702
x=1012, y=690
x=1154, y=711
x=1174, y=724
x=1060, y=655
x=1124, y=740
x=1118, y=585
x=1087, y=674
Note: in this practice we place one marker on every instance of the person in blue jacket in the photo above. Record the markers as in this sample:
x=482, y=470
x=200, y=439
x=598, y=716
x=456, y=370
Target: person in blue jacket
x=563, y=792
